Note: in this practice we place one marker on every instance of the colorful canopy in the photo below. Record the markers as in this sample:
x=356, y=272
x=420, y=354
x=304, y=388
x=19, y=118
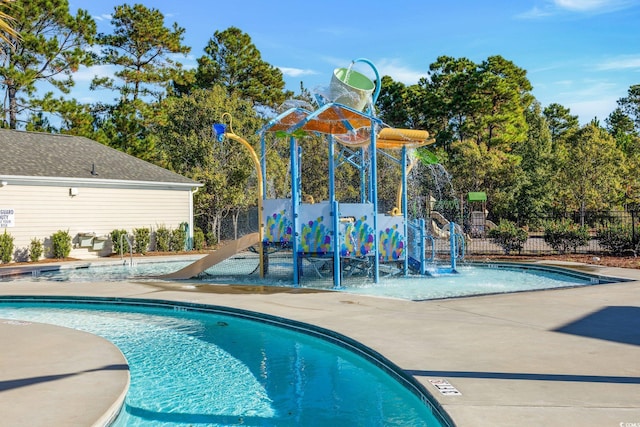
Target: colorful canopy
x=350, y=127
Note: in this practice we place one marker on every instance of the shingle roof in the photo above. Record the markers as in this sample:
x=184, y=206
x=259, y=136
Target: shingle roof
x=33, y=154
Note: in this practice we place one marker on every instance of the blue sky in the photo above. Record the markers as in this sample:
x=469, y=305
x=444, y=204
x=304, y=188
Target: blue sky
x=583, y=54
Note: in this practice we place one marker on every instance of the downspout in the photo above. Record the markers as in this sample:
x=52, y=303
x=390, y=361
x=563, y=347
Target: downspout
x=191, y=214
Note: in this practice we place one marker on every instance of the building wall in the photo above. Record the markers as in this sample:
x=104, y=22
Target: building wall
x=40, y=211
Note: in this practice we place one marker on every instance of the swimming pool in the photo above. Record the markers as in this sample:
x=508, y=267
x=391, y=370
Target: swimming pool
x=472, y=279
x=218, y=366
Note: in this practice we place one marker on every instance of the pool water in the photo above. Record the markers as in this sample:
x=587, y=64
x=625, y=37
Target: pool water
x=470, y=280
x=196, y=368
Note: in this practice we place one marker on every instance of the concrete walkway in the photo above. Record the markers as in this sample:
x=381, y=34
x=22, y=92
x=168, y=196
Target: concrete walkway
x=53, y=376
x=567, y=357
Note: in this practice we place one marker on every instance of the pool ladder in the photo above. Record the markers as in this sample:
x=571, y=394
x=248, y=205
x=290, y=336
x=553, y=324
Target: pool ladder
x=124, y=262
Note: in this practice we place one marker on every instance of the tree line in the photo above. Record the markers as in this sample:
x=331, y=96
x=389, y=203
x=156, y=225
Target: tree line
x=491, y=133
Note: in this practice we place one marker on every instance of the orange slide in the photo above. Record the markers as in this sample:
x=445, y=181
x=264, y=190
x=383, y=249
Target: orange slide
x=227, y=251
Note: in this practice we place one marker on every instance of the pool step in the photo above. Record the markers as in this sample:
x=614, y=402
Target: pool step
x=84, y=253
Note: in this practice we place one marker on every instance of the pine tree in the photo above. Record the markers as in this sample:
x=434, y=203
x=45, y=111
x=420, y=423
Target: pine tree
x=234, y=62
x=141, y=48
x=49, y=45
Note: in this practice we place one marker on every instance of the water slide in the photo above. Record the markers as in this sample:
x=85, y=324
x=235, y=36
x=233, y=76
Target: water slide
x=225, y=252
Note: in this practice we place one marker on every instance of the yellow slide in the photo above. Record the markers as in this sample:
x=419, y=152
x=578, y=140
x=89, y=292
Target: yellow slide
x=227, y=251
x=388, y=138
x=392, y=138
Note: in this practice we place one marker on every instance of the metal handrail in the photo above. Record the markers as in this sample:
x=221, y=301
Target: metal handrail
x=125, y=236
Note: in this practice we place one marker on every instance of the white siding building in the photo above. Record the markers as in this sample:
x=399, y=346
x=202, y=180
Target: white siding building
x=53, y=182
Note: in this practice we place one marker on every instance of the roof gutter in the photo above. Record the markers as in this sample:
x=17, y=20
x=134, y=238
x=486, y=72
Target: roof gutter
x=96, y=182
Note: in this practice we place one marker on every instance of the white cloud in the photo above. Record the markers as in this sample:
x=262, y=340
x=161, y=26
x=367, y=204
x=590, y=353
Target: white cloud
x=103, y=17
x=555, y=7
x=399, y=72
x=534, y=13
x=590, y=109
x=296, y=72
x=624, y=62
x=591, y=5
x=596, y=88
x=590, y=98
x=86, y=74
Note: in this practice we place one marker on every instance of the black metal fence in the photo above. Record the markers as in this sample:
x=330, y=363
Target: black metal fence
x=609, y=232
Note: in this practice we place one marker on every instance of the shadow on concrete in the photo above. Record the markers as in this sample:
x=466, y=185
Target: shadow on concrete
x=25, y=382
x=527, y=377
x=618, y=324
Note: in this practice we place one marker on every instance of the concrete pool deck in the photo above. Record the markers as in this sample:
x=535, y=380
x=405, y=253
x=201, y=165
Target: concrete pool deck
x=563, y=357
x=54, y=376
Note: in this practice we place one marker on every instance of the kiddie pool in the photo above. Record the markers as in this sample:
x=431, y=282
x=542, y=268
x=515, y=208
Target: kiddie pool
x=471, y=278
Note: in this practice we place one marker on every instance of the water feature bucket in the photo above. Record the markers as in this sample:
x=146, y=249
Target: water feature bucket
x=218, y=131
x=350, y=88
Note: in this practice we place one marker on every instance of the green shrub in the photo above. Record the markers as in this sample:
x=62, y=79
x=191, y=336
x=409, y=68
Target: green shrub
x=508, y=236
x=141, y=239
x=115, y=241
x=616, y=238
x=211, y=238
x=178, y=237
x=564, y=235
x=6, y=247
x=163, y=239
x=61, y=244
x=35, y=250
x=198, y=239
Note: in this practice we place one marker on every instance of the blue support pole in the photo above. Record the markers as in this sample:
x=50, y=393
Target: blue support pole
x=452, y=240
x=335, y=220
x=332, y=170
x=370, y=187
x=295, y=204
x=363, y=177
x=405, y=209
x=422, y=246
x=337, y=273
x=299, y=166
x=374, y=198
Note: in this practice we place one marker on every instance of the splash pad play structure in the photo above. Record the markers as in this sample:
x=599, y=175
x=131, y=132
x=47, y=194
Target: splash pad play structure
x=339, y=239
